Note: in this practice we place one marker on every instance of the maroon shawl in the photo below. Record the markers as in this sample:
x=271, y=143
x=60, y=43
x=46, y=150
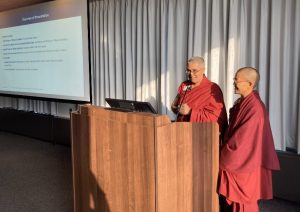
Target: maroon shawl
x=248, y=143
x=206, y=103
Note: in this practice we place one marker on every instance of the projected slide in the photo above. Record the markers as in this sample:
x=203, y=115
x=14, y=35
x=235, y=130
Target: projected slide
x=44, y=51
x=39, y=57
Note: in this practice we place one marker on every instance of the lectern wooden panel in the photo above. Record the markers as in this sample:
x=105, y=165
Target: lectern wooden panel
x=140, y=162
x=187, y=167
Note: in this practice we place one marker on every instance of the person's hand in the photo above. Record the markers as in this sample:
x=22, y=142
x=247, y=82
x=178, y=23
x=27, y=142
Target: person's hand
x=185, y=109
x=174, y=106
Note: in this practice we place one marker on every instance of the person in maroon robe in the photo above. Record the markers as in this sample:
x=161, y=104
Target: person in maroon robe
x=247, y=155
x=198, y=99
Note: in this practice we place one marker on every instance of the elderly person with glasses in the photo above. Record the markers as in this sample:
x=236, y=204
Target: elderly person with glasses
x=199, y=99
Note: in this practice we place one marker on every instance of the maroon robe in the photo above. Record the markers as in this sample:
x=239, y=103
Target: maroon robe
x=206, y=103
x=248, y=154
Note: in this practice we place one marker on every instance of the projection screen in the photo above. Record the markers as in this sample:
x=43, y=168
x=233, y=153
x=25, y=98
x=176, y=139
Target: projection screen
x=44, y=51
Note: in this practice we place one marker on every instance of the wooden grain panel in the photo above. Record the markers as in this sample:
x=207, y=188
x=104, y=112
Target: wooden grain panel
x=174, y=168
x=140, y=140
x=187, y=164
x=134, y=162
x=83, y=180
x=125, y=155
x=112, y=163
x=205, y=156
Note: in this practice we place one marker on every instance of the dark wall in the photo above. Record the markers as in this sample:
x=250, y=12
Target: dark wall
x=41, y=126
x=287, y=181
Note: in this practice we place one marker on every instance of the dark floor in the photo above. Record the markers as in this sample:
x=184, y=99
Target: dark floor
x=34, y=175
x=37, y=176
x=278, y=205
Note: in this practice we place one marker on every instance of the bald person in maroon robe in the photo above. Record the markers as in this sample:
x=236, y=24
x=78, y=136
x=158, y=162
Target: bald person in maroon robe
x=198, y=99
x=247, y=156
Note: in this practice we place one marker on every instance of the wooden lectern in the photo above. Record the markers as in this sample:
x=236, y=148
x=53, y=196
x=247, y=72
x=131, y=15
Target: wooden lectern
x=141, y=162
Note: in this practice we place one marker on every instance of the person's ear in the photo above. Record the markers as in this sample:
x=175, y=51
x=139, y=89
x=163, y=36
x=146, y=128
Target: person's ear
x=251, y=84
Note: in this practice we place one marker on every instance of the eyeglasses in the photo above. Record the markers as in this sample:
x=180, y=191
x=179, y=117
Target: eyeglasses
x=236, y=82
x=192, y=71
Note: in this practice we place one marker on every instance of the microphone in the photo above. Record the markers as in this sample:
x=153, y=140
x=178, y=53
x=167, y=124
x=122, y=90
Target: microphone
x=185, y=89
x=188, y=76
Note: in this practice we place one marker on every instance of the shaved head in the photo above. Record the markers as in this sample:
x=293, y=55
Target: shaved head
x=197, y=60
x=250, y=74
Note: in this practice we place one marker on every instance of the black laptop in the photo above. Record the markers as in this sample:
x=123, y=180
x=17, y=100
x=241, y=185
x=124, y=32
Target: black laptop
x=130, y=105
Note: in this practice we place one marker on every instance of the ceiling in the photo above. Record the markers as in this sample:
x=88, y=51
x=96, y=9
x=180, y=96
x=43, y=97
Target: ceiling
x=12, y=4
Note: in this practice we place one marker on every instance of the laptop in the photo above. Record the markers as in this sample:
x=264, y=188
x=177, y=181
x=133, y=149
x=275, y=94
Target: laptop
x=130, y=105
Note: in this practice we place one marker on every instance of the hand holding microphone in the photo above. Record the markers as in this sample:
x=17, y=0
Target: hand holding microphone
x=183, y=109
